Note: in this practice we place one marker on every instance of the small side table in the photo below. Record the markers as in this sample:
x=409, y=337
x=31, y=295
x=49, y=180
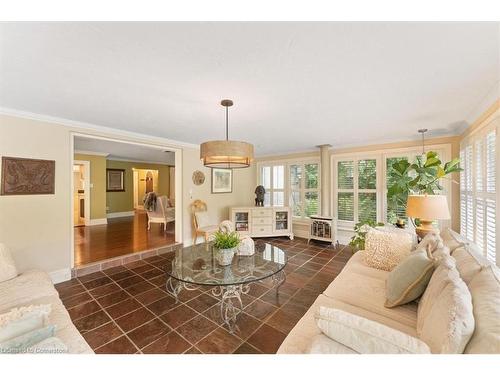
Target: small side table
x=323, y=228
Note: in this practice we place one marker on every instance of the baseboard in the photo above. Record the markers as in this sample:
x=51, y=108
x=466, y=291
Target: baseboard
x=60, y=275
x=112, y=215
x=98, y=221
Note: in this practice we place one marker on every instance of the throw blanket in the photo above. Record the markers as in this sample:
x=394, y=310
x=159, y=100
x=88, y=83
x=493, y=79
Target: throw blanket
x=150, y=201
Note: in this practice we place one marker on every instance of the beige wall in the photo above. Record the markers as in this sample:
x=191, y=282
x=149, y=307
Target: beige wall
x=123, y=201
x=98, y=187
x=38, y=228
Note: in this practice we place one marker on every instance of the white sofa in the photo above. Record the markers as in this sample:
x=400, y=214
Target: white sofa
x=360, y=289
x=36, y=288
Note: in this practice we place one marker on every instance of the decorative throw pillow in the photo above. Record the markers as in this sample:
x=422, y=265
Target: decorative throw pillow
x=469, y=261
x=451, y=239
x=385, y=250
x=408, y=280
x=19, y=321
x=485, y=291
x=7, y=266
x=433, y=244
x=20, y=344
x=450, y=323
x=443, y=274
x=366, y=336
x=202, y=219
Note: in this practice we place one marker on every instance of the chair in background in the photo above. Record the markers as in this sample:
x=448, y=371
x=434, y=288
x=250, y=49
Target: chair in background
x=163, y=214
x=201, y=221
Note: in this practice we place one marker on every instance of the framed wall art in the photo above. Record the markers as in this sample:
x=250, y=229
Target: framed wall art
x=115, y=179
x=21, y=176
x=222, y=180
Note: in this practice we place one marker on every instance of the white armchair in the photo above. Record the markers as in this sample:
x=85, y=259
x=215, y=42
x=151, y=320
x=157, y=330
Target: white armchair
x=163, y=213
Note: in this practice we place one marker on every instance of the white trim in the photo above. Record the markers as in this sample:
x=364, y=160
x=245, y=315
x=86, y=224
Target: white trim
x=88, y=126
x=120, y=214
x=116, y=158
x=60, y=275
x=86, y=165
x=84, y=152
x=102, y=221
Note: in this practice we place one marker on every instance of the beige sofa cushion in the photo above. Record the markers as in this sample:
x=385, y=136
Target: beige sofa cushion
x=469, y=261
x=408, y=280
x=7, y=266
x=366, y=336
x=450, y=323
x=322, y=344
x=452, y=239
x=385, y=250
x=485, y=290
x=357, y=265
x=441, y=277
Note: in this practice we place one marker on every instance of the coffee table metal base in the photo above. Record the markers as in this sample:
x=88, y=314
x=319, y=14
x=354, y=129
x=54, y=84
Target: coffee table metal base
x=229, y=296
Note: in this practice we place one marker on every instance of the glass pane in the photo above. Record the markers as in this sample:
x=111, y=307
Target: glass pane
x=367, y=206
x=312, y=202
x=395, y=209
x=278, y=198
x=267, y=199
x=295, y=176
x=367, y=174
x=345, y=209
x=295, y=203
x=311, y=176
x=266, y=177
x=279, y=177
x=345, y=175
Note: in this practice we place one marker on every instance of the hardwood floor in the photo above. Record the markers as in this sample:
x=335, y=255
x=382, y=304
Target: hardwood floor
x=120, y=236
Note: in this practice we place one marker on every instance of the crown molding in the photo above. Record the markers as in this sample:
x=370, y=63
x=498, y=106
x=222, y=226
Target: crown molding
x=105, y=154
x=81, y=126
x=116, y=158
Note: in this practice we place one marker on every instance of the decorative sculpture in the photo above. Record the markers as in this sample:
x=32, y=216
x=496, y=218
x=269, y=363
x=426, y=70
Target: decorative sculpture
x=259, y=195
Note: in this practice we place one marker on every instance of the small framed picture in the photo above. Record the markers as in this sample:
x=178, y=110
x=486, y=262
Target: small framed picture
x=115, y=179
x=222, y=180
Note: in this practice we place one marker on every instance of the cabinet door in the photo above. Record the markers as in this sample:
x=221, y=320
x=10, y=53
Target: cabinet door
x=241, y=220
x=281, y=221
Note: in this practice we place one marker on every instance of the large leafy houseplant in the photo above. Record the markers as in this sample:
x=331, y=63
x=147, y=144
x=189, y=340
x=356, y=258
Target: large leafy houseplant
x=360, y=231
x=421, y=177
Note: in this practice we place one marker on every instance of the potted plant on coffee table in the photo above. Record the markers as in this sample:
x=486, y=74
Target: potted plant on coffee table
x=225, y=245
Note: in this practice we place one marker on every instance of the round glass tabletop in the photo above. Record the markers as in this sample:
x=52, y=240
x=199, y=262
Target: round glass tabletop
x=197, y=264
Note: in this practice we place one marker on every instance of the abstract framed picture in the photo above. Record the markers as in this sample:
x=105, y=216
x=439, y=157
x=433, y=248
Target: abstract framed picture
x=222, y=180
x=21, y=176
x=115, y=179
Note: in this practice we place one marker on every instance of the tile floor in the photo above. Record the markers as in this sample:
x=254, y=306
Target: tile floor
x=126, y=309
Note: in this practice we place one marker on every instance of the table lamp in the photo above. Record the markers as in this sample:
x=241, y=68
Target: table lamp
x=427, y=208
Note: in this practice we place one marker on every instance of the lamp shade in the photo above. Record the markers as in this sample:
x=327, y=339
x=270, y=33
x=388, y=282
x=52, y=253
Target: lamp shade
x=428, y=207
x=226, y=154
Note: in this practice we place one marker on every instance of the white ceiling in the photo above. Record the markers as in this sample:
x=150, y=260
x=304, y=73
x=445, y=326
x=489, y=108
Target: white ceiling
x=124, y=151
x=295, y=85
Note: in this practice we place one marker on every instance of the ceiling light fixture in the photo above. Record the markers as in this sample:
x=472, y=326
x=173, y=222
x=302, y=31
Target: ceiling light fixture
x=226, y=154
x=423, y=131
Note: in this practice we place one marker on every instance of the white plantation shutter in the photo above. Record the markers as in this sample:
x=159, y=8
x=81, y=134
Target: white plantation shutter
x=490, y=162
x=491, y=230
x=479, y=165
x=480, y=229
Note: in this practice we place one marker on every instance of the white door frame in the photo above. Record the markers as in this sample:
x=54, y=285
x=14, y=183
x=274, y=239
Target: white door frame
x=134, y=141
x=135, y=174
x=86, y=173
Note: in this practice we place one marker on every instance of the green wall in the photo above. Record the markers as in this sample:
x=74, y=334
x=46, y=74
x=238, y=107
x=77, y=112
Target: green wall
x=123, y=201
x=98, y=180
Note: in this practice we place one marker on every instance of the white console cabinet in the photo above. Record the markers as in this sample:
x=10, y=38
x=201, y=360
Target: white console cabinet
x=262, y=221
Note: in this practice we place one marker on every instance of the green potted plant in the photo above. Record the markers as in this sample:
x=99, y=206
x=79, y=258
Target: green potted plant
x=360, y=230
x=225, y=244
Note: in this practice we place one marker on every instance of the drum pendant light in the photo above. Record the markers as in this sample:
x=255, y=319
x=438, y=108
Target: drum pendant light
x=226, y=154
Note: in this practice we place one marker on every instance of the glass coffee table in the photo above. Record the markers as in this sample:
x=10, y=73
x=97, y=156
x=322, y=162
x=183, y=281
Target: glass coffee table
x=196, y=267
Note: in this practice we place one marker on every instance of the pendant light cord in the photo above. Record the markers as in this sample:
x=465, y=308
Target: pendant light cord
x=227, y=122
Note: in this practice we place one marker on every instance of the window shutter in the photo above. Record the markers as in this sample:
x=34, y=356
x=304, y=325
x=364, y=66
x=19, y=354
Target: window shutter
x=491, y=230
x=463, y=214
x=490, y=162
x=470, y=219
x=479, y=165
x=480, y=211
x=345, y=175
x=345, y=205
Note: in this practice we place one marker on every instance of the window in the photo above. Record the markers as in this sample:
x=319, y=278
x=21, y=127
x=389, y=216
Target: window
x=304, y=189
x=357, y=190
x=478, y=191
x=273, y=179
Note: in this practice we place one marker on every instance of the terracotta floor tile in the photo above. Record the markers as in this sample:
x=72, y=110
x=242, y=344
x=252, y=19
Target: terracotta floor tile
x=143, y=268
x=121, y=345
x=135, y=264
x=282, y=321
x=159, y=281
x=246, y=325
x=104, y=290
x=218, y=342
x=147, y=333
x=178, y=316
x=134, y=319
x=275, y=299
x=91, y=321
x=150, y=296
x=67, y=284
x=101, y=335
x=113, y=298
x=260, y=309
x=267, y=339
x=114, y=270
x=139, y=288
x=71, y=291
x=192, y=350
x=121, y=275
x=187, y=295
x=163, y=305
x=130, y=281
x=196, y=329
x=202, y=302
x=246, y=348
x=124, y=307
x=171, y=343
x=91, y=276
x=97, y=282
x=83, y=310
x=256, y=290
x=73, y=301
x=294, y=309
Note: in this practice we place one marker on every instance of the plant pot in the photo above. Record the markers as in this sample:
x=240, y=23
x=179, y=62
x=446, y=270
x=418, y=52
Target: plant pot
x=225, y=256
